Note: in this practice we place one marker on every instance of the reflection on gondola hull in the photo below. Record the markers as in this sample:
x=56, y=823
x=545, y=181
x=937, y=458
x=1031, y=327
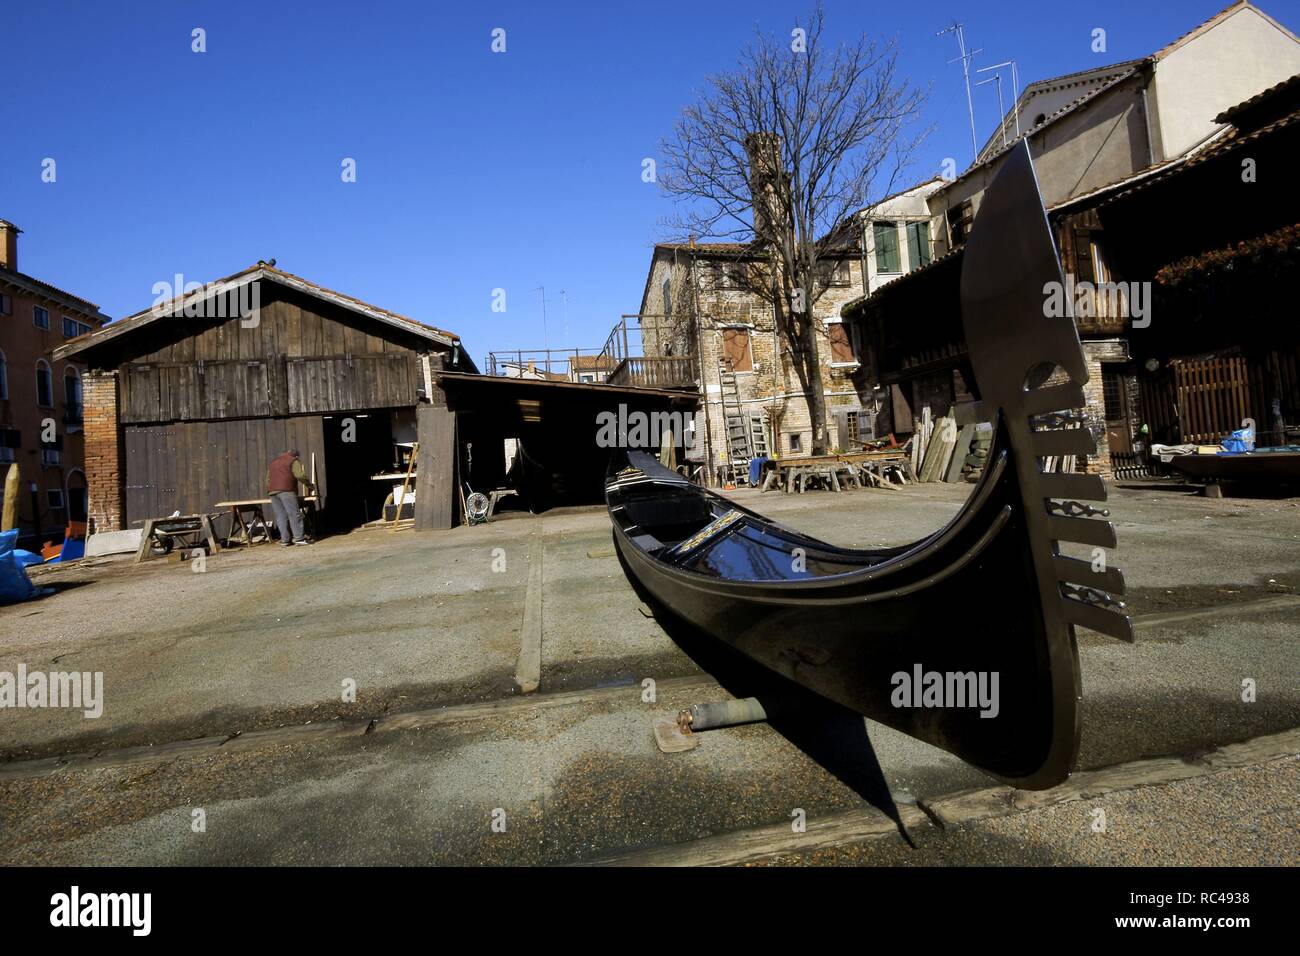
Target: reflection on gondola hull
x=849, y=623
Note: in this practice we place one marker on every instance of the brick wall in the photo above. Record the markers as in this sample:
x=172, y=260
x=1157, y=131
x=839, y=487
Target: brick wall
x=1097, y=351
x=105, y=452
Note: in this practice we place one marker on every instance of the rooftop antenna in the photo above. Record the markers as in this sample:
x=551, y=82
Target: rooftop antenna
x=1002, y=125
x=965, y=59
x=1015, y=91
x=546, y=344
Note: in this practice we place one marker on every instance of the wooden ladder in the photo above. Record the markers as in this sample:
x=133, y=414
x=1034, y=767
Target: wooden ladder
x=739, y=450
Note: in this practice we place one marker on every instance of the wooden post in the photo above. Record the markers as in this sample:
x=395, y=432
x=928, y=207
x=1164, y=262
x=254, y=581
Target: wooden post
x=10, y=518
x=397, y=505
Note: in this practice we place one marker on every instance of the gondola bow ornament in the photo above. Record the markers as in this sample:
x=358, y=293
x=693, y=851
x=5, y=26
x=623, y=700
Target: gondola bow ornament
x=965, y=639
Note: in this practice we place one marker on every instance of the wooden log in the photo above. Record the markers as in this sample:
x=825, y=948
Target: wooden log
x=10, y=517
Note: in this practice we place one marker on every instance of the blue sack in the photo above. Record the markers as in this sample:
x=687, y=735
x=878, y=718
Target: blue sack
x=1243, y=439
x=14, y=585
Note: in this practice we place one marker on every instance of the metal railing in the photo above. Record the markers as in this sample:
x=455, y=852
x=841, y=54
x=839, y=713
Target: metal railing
x=566, y=364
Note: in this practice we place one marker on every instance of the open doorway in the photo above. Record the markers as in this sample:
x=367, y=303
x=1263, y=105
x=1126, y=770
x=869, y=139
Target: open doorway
x=357, y=446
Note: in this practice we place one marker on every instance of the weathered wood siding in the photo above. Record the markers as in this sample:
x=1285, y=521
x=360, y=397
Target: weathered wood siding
x=301, y=356
x=190, y=466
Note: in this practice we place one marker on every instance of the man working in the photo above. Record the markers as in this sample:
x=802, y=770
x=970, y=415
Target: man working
x=282, y=480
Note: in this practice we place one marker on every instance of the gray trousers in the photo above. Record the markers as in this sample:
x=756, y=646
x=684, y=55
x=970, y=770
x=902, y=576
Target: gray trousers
x=288, y=516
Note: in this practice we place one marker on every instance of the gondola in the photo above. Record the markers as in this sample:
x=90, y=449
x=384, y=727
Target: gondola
x=915, y=636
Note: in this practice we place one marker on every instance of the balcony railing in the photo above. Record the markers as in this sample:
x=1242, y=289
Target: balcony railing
x=671, y=371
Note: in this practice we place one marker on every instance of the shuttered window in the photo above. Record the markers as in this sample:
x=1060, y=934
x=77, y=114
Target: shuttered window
x=918, y=245
x=841, y=345
x=886, y=236
x=735, y=350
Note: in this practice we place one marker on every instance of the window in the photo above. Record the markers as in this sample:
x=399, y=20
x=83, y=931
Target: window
x=1112, y=394
x=44, y=385
x=851, y=425
x=55, y=498
x=72, y=328
x=960, y=218
x=40, y=317
x=1083, y=264
x=796, y=442
x=10, y=439
x=918, y=244
x=668, y=299
x=4, y=378
x=51, y=453
x=736, y=355
x=727, y=275
x=841, y=344
x=833, y=273
x=6, y=304
x=886, y=236
x=72, y=397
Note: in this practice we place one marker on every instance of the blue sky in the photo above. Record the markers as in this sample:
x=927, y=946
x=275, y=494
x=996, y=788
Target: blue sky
x=475, y=170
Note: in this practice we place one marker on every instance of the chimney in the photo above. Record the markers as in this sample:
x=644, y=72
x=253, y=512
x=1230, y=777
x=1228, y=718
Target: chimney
x=9, y=245
x=764, y=150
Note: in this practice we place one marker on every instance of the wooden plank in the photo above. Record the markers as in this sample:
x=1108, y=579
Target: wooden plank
x=959, y=453
x=435, y=482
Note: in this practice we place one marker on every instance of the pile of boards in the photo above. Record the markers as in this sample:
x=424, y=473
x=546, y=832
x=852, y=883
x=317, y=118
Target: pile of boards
x=943, y=451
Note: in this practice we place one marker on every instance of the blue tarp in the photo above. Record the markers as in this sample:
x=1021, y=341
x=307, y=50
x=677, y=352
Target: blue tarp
x=756, y=470
x=14, y=585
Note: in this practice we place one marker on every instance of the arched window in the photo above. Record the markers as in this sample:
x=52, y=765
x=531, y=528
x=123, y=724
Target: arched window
x=44, y=384
x=72, y=396
x=4, y=377
x=76, y=495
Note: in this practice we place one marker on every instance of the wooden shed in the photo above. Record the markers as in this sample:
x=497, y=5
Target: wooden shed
x=187, y=401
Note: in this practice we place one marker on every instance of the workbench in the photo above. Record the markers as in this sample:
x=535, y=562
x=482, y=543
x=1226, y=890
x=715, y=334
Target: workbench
x=248, y=518
x=189, y=531
x=850, y=468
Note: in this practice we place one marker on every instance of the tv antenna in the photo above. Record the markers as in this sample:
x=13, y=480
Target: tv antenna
x=997, y=78
x=545, y=339
x=1015, y=95
x=965, y=59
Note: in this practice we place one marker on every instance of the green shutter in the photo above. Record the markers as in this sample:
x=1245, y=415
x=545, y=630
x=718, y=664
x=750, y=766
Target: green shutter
x=918, y=245
x=886, y=234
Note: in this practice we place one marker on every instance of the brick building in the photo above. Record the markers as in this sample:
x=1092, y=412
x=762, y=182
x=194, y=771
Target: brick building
x=41, y=398
x=697, y=303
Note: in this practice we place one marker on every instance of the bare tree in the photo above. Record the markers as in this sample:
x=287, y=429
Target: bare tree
x=782, y=152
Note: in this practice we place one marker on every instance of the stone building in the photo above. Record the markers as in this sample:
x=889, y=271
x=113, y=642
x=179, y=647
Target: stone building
x=697, y=302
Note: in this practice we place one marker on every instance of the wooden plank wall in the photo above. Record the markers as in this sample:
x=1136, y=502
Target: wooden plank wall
x=301, y=356
x=382, y=380
x=1202, y=400
x=190, y=466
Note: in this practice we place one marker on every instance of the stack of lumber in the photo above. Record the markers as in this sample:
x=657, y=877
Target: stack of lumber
x=939, y=450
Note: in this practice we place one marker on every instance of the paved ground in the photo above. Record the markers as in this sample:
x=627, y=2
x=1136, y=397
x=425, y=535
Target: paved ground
x=266, y=638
